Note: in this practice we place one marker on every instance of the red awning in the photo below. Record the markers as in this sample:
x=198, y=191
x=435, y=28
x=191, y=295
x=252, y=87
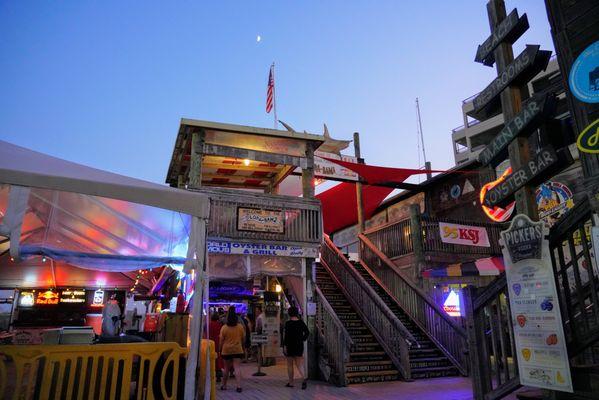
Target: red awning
x=377, y=175
x=339, y=205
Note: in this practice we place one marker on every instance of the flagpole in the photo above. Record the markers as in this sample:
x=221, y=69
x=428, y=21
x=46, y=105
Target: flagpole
x=274, y=94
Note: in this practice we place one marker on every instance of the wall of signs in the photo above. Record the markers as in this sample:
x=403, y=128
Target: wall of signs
x=260, y=249
x=537, y=321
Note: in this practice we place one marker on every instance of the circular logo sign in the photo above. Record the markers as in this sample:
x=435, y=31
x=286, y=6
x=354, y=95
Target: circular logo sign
x=553, y=200
x=455, y=191
x=584, y=75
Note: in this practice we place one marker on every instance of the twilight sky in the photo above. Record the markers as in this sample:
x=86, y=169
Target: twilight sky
x=105, y=83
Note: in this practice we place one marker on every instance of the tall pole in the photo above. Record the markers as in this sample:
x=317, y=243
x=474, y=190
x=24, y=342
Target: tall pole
x=274, y=95
x=359, y=203
x=420, y=129
x=511, y=104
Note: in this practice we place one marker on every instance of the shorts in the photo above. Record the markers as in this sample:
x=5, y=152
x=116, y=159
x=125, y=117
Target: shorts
x=232, y=356
x=294, y=351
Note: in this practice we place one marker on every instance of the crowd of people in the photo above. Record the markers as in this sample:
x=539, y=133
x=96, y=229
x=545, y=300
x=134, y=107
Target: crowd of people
x=231, y=333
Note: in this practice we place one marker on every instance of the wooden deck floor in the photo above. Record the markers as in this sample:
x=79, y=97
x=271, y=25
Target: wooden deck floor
x=272, y=386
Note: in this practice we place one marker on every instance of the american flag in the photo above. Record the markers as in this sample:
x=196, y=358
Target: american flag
x=270, y=91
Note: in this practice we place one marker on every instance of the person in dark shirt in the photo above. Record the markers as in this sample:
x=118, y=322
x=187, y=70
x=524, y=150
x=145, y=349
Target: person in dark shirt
x=295, y=334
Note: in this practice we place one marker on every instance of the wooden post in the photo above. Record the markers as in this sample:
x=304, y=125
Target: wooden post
x=359, y=203
x=477, y=364
x=427, y=166
x=195, y=167
x=308, y=173
x=416, y=233
x=511, y=104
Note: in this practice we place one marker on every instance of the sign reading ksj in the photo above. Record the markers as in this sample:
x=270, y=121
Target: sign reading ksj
x=260, y=249
x=537, y=321
x=260, y=220
x=464, y=234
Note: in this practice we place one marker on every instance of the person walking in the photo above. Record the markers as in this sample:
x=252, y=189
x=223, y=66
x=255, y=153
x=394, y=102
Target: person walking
x=231, y=341
x=214, y=334
x=295, y=334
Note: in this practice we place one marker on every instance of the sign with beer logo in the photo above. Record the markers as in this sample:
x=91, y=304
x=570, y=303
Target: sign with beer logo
x=584, y=75
x=464, y=234
x=529, y=63
x=588, y=140
x=47, y=297
x=260, y=220
x=509, y=30
x=533, y=172
x=523, y=123
x=553, y=200
x=537, y=322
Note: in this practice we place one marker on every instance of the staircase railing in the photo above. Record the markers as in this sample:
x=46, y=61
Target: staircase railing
x=333, y=337
x=448, y=335
x=392, y=335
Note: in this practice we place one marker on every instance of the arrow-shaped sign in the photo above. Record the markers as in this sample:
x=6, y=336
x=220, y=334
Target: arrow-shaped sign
x=528, y=119
x=509, y=30
x=534, y=172
x=529, y=63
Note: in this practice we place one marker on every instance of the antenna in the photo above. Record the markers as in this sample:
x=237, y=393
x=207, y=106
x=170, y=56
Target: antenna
x=420, y=130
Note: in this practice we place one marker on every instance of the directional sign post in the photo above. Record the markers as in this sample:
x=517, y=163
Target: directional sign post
x=509, y=30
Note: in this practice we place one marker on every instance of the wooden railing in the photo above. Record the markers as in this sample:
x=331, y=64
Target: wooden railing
x=422, y=233
x=392, y=335
x=91, y=371
x=489, y=321
x=333, y=339
x=303, y=221
x=431, y=238
x=448, y=335
x=491, y=341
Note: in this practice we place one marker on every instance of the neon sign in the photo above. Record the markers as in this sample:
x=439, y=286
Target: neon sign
x=98, y=300
x=452, y=305
x=497, y=213
x=26, y=299
x=72, y=296
x=47, y=298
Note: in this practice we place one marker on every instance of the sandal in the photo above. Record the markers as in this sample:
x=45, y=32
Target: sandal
x=304, y=384
x=288, y=385
x=239, y=390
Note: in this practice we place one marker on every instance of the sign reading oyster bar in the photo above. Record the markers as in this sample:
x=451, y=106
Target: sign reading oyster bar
x=260, y=220
x=464, y=234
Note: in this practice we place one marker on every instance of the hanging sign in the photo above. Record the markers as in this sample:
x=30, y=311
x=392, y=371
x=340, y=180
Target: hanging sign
x=537, y=321
x=72, y=296
x=584, y=75
x=509, y=30
x=98, y=300
x=523, y=123
x=260, y=249
x=529, y=63
x=260, y=220
x=497, y=214
x=533, y=172
x=588, y=140
x=326, y=169
x=464, y=234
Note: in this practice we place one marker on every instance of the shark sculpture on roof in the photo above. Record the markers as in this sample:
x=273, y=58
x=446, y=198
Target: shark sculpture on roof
x=330, y=145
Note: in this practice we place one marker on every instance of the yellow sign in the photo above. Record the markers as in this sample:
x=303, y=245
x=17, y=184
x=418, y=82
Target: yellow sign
x=588, y=140
x=260, y=220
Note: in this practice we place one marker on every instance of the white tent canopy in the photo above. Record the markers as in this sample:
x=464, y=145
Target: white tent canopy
x=97, y=219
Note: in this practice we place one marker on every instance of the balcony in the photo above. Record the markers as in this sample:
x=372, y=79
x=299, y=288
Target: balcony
x=405, y=239
x=302, y=221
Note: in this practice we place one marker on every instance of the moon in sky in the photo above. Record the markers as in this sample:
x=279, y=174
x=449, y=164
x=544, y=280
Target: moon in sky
x=258, y=38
